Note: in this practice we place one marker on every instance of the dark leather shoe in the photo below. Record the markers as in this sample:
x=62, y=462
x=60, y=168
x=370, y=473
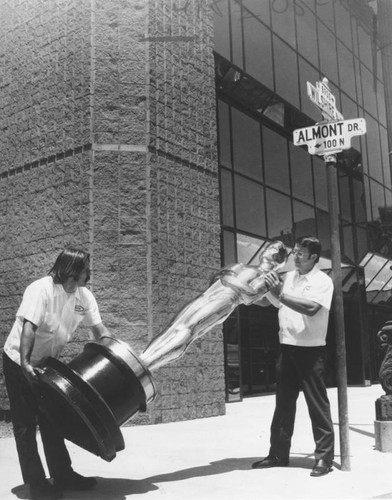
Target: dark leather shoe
x=321, y=467
x=269, y=462
x=74, y=481
x=44, y=490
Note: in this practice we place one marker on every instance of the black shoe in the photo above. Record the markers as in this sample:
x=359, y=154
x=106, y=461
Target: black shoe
x=269, y=462
x=44, y=490
x=74, y=481
x=321, y=467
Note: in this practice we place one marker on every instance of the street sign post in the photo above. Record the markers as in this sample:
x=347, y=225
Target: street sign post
x=329, y=137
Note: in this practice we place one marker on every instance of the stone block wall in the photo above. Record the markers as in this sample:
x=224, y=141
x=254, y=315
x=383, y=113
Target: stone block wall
x=109, y=143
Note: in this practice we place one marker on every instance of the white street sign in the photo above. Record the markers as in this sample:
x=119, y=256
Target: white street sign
x=323, y=98
x=329, y=137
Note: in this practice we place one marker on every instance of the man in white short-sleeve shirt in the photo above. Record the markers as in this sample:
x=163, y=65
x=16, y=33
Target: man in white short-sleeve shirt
x=304, y=298
x=51, y=310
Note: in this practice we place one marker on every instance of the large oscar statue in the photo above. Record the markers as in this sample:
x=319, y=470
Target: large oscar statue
x=383, y=422
x=93, y=395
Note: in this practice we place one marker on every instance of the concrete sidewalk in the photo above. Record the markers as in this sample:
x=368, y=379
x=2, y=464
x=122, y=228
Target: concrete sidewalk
x=210, y=459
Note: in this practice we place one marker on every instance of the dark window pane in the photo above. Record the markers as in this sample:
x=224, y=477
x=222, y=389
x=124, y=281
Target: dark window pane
x=369, y=95
x=249, y=205
x=349, y=108
x=323, y=231
x=283, y=20
x=275, y=160
x=362, y=242
x=259, y=9
x=236, y=34
x=378, y=201
x=365, y=47
x=258, y=53
x=359, y=201
x=286, y=64
x=320, y=183
x=221, y=29
x=280, y=221
x=301, y=174
x=344, y=191
x=348, y=244
x=229, y=256
x=224, y=134
x=381, y=104
x=304, y=219
x=346, y=70
x=227, y=197
x=307, y=36
x=373, y=147
x=246, y=145
x=385, y=157
x=328, y=59
x=325, y=12
x=343, y=24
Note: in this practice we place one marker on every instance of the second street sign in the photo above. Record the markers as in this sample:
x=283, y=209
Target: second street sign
x=329, y=137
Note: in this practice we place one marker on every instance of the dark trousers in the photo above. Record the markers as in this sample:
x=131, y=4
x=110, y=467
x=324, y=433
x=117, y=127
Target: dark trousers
x=301, y=368
x=25, y=415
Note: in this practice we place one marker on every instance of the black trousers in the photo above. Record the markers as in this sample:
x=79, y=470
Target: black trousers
x=25, y=416
x=301, y=368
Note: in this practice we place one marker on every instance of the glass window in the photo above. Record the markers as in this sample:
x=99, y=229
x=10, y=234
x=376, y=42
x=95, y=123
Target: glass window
x=348, y=242
x=328, y=57
x=346, y=70
x=308, y=74
x=324, y=9
x=258, y=52
x=365, y=47
x=358, y=80
x=249, y=206
x=343, y=24
x=378, y=201
x=373, y=147
x=275, y=160
x=259, y=9
x=381, y=103
x=236, y=34
x=246, y=145
x=224, y=134
x=345, y=198
x=323, y=231
x=229, y=256
x=221, y=29
x=349, y=108
x=285, y=60
x=366, y=181
x=362, y=139
x=369, y=94
x=247, y=248
x=362, y=243
x=320, y=182
x=307, y=35
x=304, y=219
x=359, y=201
x=301, y=174
x=283, y=20
x=227, y=197
x=280, y=221
x=385, y=157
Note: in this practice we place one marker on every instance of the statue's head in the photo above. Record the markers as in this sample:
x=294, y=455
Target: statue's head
x=275, y=252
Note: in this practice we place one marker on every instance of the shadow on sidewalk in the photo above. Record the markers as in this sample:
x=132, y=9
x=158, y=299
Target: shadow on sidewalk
x=119, y=489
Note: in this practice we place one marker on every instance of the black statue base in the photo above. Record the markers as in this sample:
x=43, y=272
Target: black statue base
x=89, y=398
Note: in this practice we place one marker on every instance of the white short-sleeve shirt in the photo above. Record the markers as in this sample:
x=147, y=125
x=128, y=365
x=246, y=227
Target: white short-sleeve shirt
x=299, y=329
x=57, y=315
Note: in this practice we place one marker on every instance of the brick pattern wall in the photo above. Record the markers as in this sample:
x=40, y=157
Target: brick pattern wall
x=110, y=143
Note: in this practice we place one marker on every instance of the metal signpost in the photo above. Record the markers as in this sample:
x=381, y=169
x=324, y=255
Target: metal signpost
x=326, y=139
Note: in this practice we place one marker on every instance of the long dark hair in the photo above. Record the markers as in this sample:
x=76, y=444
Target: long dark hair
x=70, y=263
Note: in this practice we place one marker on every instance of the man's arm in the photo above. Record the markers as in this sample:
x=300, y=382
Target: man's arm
x=100, y=331
x=26, y=348
x=301, y=305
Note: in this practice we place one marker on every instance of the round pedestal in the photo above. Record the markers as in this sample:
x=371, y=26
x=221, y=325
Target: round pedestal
x=90, y=397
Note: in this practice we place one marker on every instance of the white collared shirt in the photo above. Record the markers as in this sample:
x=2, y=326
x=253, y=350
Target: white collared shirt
x=57, y=315
x=299, y=329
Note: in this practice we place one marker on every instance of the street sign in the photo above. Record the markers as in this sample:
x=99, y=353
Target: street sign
x=329, y=137
x=323, y=98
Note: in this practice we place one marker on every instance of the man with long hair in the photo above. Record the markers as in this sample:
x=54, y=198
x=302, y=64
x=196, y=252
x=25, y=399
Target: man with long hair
x=51, y=310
